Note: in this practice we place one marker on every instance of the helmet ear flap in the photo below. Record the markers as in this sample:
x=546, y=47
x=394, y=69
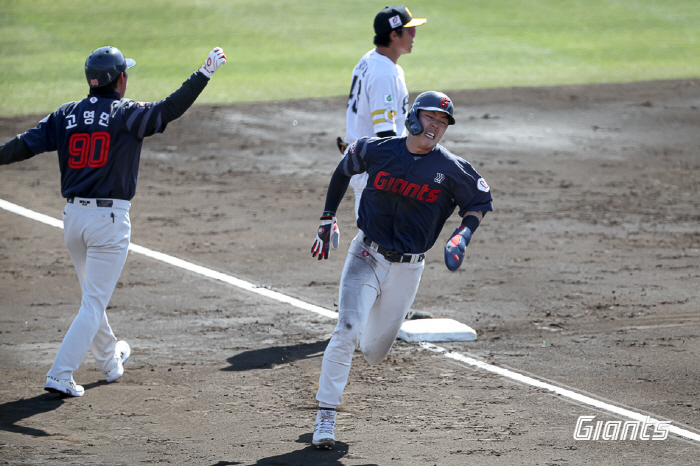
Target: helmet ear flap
x=412, y=124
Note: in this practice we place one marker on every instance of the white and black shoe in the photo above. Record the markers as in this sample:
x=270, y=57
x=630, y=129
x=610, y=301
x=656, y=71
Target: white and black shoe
x=414, y=315
x=324, y=429
x=122, y=351
x=66, y=386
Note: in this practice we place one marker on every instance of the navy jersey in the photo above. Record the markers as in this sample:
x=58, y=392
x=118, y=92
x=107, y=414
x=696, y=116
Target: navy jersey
x=409, y=198
x=99, y=139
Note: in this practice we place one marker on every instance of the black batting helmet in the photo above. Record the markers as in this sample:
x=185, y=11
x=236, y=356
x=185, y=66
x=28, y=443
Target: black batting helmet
x=433, y=101
x=104, y=65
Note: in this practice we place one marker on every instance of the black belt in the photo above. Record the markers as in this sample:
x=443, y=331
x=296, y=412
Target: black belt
x=99, y=202
x=393, y=256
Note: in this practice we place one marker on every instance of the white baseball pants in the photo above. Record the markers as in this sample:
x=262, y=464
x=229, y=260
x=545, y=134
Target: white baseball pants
x=374, y=297
x=97, y=239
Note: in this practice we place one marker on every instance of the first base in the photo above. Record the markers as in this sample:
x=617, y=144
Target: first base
x=436, y=330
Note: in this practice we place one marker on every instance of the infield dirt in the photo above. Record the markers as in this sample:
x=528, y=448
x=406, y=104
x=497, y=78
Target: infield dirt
x=586, y=275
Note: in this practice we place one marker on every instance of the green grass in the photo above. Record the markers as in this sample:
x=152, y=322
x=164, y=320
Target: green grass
x=292, y=49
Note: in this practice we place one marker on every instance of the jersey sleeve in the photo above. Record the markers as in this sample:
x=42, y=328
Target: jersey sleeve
x=472, y=192
x=384, y=103
x=354, y=163
x=336, y=190
x=144, y=119
x=42, y=138
x=15, y=150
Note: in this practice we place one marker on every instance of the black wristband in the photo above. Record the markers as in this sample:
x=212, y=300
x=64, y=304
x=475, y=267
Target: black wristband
x=471, y=222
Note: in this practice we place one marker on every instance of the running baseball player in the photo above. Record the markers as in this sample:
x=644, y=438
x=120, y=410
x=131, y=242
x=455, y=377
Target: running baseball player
x=378, y=100
x=99, y=140
x=414, y=186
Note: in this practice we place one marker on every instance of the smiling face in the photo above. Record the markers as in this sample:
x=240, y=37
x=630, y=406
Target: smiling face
x=434, y=127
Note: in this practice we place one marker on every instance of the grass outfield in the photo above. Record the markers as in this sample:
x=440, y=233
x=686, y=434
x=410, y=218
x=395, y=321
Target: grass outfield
x=288, y=49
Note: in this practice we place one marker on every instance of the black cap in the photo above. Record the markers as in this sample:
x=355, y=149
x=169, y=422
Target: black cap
x=393, y=17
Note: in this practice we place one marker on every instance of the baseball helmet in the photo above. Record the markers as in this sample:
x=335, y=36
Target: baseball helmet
x=104, y=65
x=433, y=101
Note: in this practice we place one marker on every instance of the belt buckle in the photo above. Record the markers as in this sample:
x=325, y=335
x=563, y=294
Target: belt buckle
x=393, y=256
x=104, y=203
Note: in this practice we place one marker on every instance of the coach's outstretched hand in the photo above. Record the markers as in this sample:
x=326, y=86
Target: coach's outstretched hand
x=328, y=233
x=215, y=59
x=455, y=247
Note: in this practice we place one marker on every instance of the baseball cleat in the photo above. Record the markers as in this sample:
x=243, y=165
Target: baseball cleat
x=122, y=351
x=65, y=386
x=413, y=315
x=324, y=429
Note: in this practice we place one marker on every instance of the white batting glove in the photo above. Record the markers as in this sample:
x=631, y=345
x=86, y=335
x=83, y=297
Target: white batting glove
x=328, y=235
x=215, y=59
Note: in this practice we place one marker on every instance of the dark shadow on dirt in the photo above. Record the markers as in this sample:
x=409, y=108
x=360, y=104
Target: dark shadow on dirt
x=15, y=411
x=309, y=456
x=267, y=358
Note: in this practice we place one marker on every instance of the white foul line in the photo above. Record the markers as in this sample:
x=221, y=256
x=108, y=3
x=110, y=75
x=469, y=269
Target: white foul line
x=30, y=214
x=183, y=264
x=558, y=390
x=232, y=280
x=327, y=313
